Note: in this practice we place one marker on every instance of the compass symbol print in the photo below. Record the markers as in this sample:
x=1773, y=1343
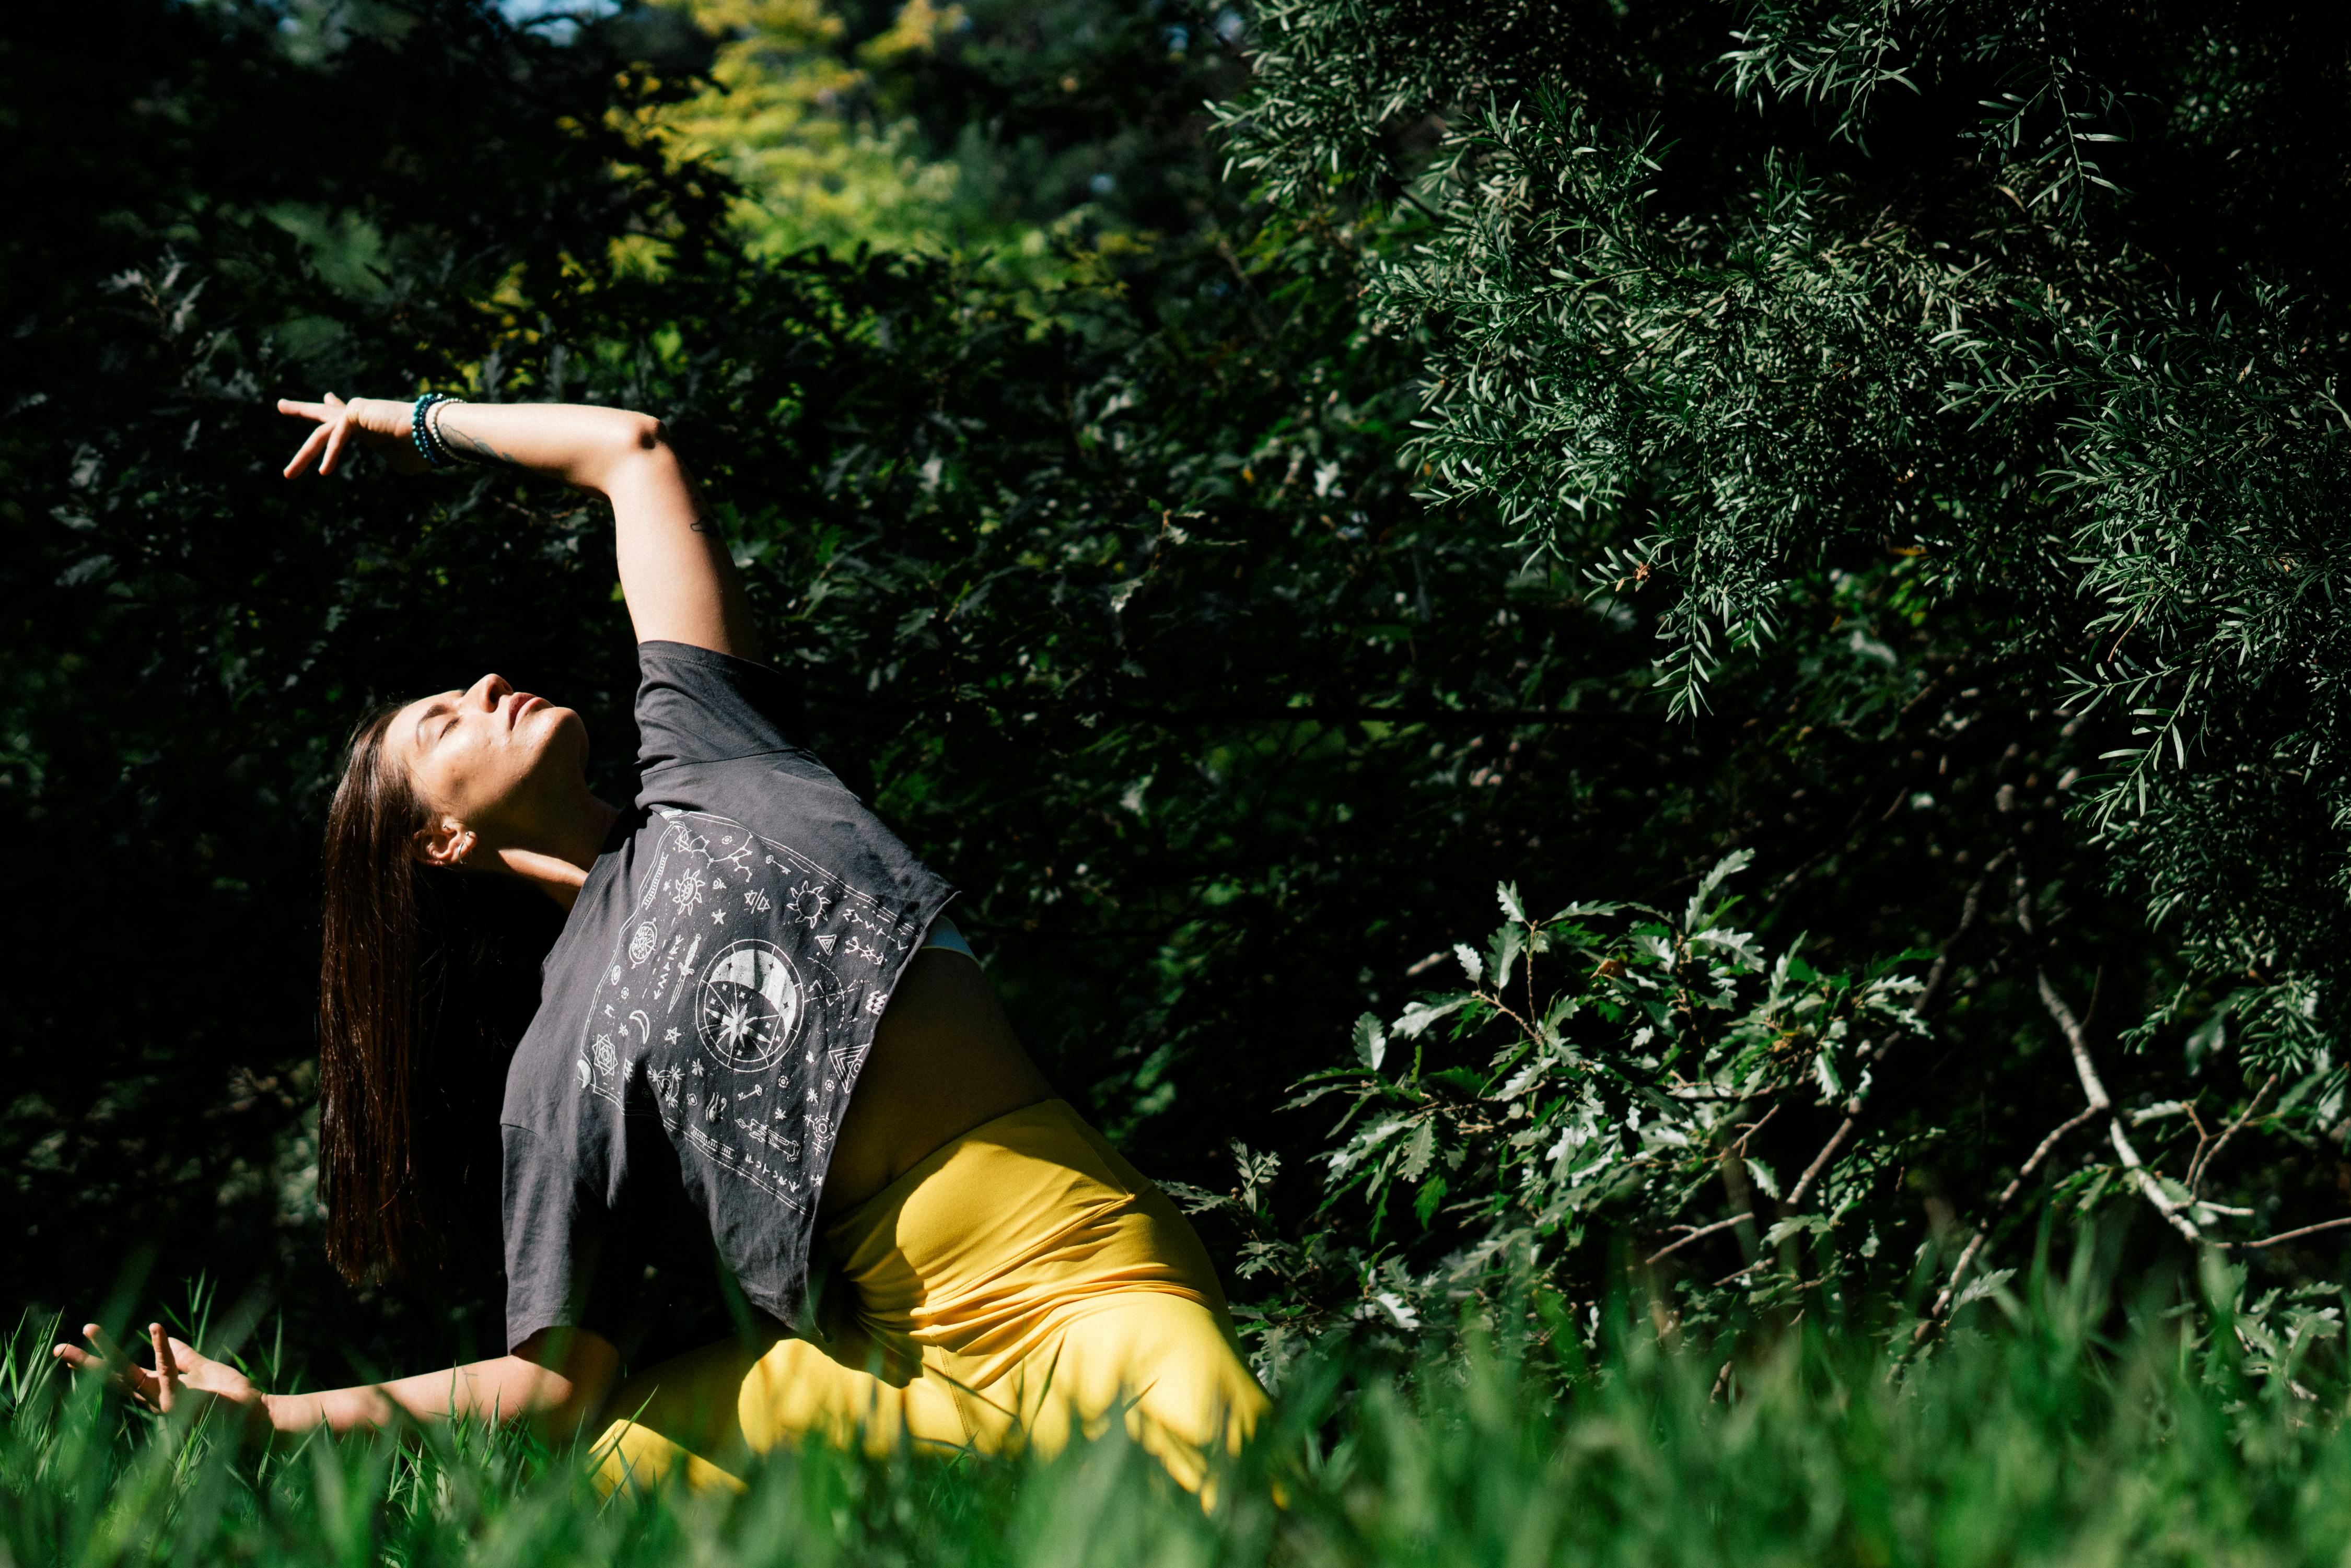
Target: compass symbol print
x=748, y=1006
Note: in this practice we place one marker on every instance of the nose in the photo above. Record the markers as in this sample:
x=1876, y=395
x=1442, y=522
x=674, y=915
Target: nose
x=488, y=692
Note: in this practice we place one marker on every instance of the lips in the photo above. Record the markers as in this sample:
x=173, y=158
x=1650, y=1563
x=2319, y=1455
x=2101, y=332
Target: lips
x=521, y=704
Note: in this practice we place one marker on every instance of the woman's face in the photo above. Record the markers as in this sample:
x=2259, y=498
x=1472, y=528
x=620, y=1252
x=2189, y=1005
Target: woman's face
x=490, y=758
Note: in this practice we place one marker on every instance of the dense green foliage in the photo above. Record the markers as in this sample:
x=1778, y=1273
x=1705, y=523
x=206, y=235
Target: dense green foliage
x=1951, y=375
x=1889, y=445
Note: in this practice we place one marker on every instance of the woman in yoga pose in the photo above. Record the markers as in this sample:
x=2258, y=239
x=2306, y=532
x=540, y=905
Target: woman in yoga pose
x=758, y=1029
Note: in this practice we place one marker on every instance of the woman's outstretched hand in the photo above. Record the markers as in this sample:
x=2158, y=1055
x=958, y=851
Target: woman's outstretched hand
x=180, y=1376
x=378, y=424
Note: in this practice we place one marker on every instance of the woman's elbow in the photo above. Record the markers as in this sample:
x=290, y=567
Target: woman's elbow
x=644, y=433
x=627, y=440
x=566, y=1389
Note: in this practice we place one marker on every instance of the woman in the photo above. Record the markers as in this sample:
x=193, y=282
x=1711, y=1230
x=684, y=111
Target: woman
x=757, y=1027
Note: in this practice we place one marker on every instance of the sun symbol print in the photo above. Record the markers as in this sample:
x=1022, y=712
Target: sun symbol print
x=748, y=1005
x=807, y=901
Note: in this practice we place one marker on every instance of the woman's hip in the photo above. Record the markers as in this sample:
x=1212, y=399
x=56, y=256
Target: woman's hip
x=988, y=1245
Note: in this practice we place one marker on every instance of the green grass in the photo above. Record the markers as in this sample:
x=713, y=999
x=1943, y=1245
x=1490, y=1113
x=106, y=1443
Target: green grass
x=2024, y=1438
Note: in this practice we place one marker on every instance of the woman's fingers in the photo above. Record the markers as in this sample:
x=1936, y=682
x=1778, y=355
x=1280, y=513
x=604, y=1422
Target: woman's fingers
x=382, y=426
x=80, y=1360
x=167, y=1376
x=116, y=1360
x=339, y=436
x=108, y=1362
x=334, y=432
x=309, y=449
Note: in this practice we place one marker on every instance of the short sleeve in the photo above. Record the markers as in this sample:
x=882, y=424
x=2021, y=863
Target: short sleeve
x=565, y=1263
x=697, y=704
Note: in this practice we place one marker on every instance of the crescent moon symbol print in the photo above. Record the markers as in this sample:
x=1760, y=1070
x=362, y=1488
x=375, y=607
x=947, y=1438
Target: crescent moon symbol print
x=748, y=1005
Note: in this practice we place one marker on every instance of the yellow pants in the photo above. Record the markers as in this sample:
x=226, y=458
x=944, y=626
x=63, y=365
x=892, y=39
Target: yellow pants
x=1019, y=1285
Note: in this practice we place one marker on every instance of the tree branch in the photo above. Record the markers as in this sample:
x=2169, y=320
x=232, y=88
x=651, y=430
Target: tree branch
x=2149, y=1186
x=2093, y=1089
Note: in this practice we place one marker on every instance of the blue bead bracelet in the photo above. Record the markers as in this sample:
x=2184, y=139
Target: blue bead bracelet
x=428, y=446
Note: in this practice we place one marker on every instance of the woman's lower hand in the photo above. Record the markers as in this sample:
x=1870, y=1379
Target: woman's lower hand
x=180, y=1377
x=380, y=423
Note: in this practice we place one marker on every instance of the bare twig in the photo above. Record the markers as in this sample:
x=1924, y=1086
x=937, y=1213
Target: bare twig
x=2025, y=1172
x=1699, y=1233
x=2201, y=1166
x=1968, y=910
x=1803, y=1187
x=2288, y=1236
x=1738, y=1145
x=1853, y=1107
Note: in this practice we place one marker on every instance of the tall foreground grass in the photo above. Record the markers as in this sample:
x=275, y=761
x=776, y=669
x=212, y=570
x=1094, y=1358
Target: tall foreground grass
x=2027, y=1438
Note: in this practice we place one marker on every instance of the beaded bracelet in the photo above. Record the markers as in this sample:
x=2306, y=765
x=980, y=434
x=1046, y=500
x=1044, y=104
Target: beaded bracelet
x=432, y=429
x=428, y=441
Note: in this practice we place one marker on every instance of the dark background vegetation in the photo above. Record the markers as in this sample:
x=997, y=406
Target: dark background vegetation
x=1226, y=580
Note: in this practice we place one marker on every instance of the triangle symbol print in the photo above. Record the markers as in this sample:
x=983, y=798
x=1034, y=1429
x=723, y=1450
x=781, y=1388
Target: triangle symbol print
x=826, y=942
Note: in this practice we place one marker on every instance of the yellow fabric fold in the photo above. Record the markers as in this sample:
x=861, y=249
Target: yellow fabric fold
x=1021, y=1284
x=992, y=1243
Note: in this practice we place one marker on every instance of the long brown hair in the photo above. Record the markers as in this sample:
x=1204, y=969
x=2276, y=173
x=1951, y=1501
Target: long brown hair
x=367, y=1019
x=418, y=987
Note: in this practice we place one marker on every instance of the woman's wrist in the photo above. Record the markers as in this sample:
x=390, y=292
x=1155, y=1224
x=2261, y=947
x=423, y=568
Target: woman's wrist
x=286, y=1413
x=383, y=415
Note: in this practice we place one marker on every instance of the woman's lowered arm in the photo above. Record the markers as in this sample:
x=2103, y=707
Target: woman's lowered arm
x=677, y=572
x=557, y=1378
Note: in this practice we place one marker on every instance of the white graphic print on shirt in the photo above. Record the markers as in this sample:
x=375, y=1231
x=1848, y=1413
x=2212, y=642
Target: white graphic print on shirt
x=703, y=1016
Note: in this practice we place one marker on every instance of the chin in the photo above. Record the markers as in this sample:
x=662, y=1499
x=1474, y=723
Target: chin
x=561, y=730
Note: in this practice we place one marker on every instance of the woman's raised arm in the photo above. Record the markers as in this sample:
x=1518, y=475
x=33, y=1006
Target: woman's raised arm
x=677, y=572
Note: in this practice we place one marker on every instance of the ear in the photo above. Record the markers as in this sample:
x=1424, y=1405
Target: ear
x=445, y=843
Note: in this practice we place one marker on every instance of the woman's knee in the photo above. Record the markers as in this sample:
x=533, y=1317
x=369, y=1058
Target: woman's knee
x=1169, y=1362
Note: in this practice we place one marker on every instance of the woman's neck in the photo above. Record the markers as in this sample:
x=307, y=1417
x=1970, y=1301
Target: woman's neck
x=556, y=862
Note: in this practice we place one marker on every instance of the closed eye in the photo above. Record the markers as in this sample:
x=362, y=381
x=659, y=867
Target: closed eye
x=449, y=720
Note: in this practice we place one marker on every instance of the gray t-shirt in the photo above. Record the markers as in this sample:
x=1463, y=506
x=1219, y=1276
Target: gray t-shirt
x=703, y=1017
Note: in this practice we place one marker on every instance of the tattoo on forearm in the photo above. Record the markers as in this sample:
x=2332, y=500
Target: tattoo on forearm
x=479, y=451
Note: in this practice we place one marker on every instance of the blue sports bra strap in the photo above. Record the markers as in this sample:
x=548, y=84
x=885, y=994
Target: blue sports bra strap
x=945, y=936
